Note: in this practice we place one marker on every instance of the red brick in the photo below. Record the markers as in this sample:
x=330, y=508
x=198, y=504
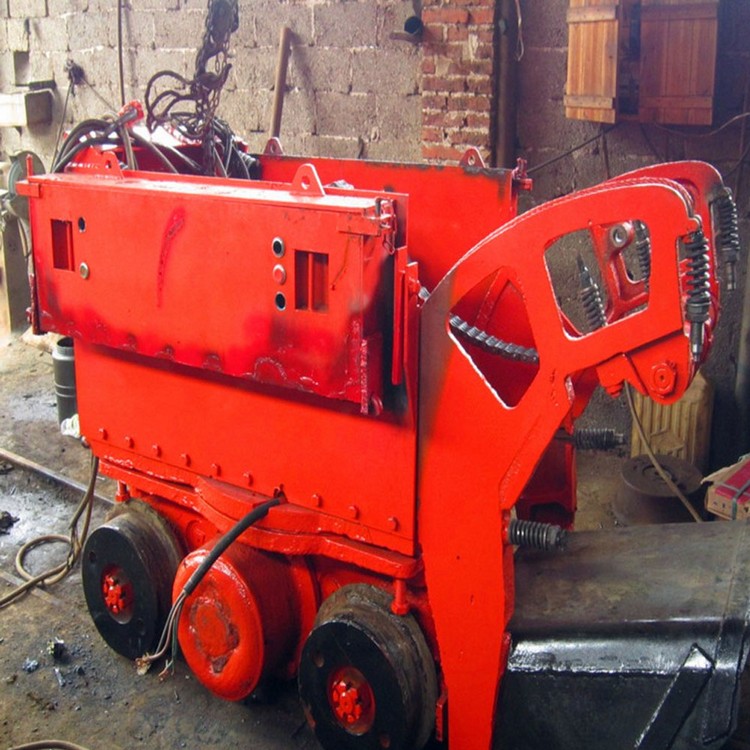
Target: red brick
x=434, y=101
x=469, y=102
x=456, y=33
x=432, y=118
x=428, y=65
x=479, y=85
x=478, y=121
x=444, y=119
x=482, y=15
x=433, y=135
x=450, y=84
x=468, y=137
x=470, y=68
x=484, y=51
x=446, y=14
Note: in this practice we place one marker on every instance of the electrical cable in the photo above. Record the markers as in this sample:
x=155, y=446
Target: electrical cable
x=106, y=103
x=520, y=49
x=62, y=120
x=655, y=461
x=710, y=134
x=572, y=150
x=74, y=540
x=169, y=634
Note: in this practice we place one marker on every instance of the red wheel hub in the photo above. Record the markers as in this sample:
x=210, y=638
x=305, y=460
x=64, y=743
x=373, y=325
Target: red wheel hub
x=117, y=591
x=352, y=700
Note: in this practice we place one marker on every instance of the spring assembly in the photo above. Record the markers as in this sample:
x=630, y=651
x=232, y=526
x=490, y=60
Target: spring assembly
x=591, y=298
x=544, y=536
x=597, y=438
x=492, y=344
x=729, y=237
x=643, y=250
x=698, y=303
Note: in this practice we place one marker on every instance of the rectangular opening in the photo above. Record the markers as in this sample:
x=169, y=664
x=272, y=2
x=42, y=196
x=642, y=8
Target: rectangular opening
x=62, y=245
x=319, y=282
x=311, y=281
x=301, y=280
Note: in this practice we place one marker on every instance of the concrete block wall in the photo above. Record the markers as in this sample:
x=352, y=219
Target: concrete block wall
x=352, y=89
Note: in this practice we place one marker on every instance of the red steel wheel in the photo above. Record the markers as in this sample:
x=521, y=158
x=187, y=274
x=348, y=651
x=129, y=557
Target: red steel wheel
x=127, y=567
x=367, y=679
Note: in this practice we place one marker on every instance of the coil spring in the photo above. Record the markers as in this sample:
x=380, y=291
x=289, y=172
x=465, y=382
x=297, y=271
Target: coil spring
x=591, y=298
x=597, y=438
x=544, y=536
x=730, y=237
x=698, y=302
x=643, y=250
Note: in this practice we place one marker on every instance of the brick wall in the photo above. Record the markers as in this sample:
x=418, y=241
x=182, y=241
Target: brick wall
x=457, y=78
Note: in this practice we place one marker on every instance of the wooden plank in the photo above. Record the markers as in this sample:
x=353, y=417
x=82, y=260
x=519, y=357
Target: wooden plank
x=678, y=102
x=592, y=14
x=591, y=115
x=589, y=102
x=591, y=84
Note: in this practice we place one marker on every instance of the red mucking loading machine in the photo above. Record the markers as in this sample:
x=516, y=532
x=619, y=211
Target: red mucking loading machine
x=338, y=400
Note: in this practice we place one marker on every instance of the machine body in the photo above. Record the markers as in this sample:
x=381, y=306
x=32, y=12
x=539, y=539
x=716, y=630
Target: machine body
x=382, y=348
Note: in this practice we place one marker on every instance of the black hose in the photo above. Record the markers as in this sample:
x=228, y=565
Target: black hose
x=155, y=150
x=221, y=546
x=65, y=159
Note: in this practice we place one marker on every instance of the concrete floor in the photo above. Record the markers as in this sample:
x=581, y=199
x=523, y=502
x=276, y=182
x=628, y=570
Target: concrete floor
x=94, y=697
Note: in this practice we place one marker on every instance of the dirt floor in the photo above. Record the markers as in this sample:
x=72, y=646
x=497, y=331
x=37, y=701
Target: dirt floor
x=88, y=694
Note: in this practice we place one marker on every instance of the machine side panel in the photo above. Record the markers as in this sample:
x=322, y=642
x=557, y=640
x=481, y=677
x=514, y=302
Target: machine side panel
x=256, y=284
x=355, y=472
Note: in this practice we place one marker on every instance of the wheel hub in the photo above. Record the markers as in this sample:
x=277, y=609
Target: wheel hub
x=352, y=700
x=117, y=590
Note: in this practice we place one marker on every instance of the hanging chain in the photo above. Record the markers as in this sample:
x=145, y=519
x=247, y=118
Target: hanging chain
x=190, y=105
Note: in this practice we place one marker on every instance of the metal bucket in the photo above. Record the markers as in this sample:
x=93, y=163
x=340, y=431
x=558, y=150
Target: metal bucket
x=65, y=379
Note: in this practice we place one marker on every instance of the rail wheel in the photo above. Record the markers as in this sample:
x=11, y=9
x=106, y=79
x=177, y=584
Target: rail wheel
x=367, y=679
x=128, y=565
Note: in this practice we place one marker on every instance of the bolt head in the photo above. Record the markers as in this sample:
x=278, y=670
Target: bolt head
x=664, y=378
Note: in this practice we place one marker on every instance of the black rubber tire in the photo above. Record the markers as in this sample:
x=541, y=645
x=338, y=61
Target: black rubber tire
x=356, y=628
x=141, y=544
